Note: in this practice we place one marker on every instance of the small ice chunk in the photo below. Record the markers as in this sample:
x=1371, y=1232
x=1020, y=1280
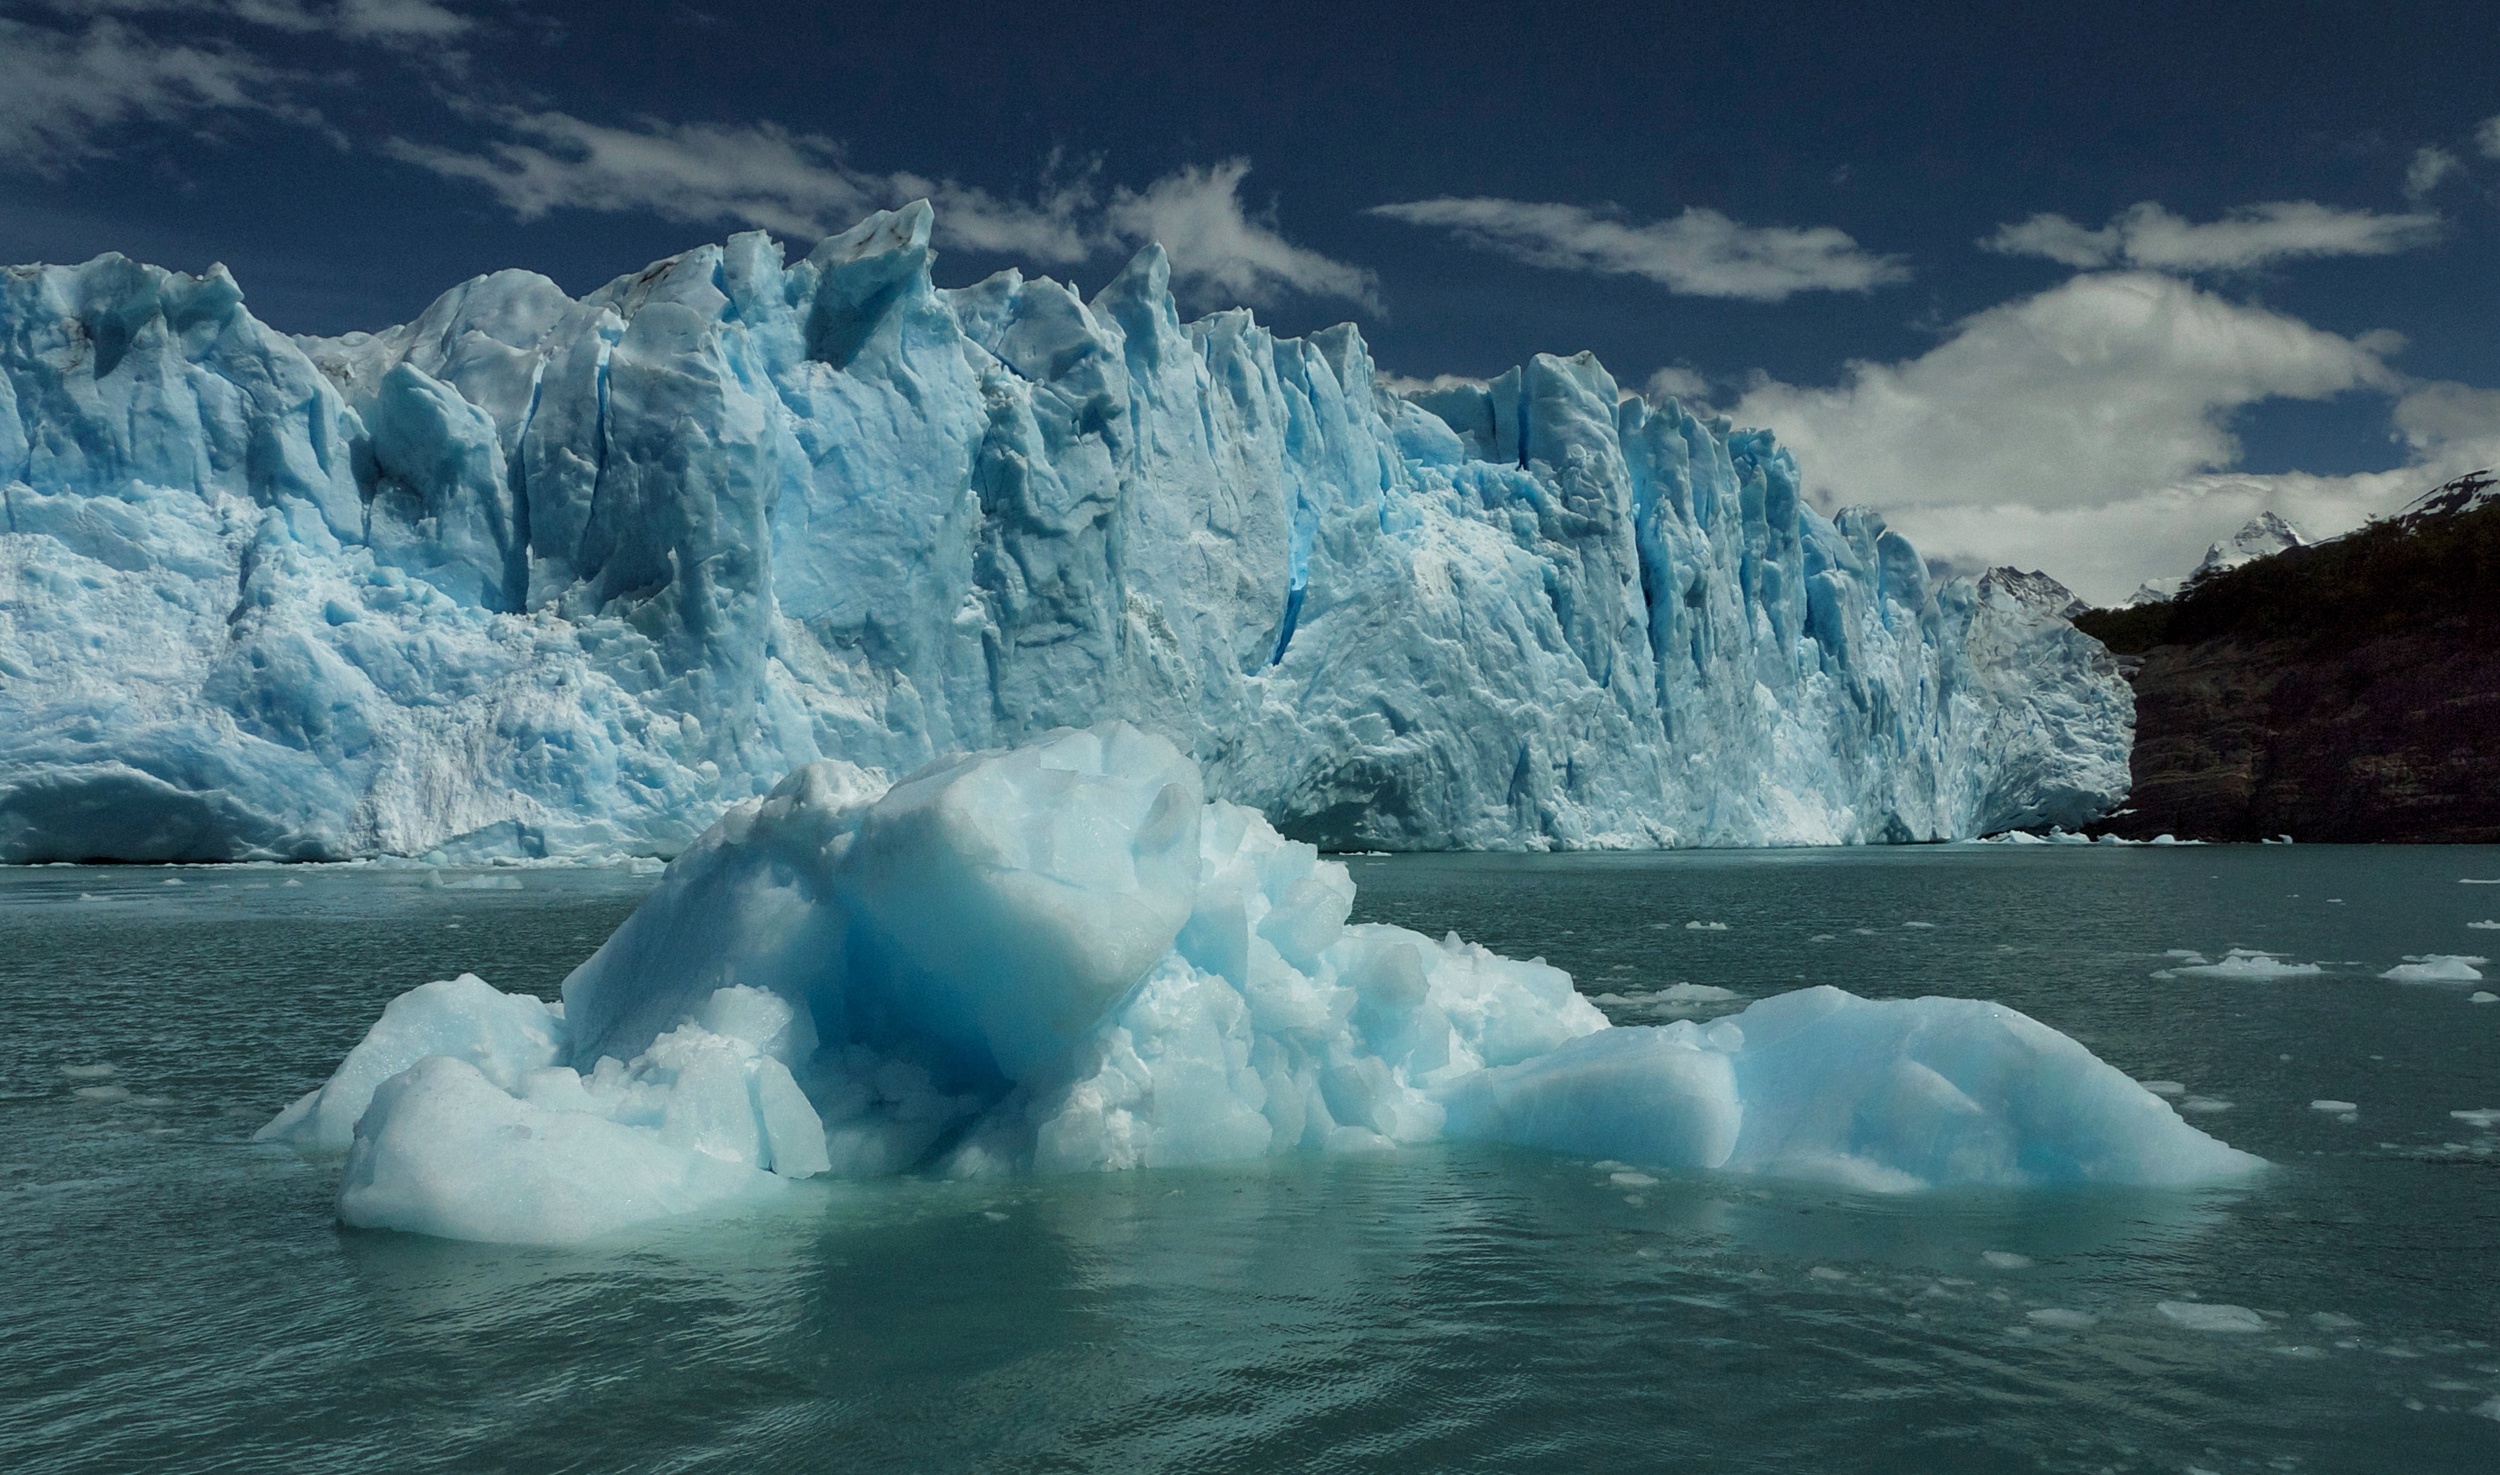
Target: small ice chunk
x=1825, y=1272
x=102, y=1093
x=1705, y=926
x=2005, y=1260
x=2482, y=996
x=2342, y=1110
x=2061, y=1318
x=2164, y=1088
x=1928, y=925
x=2484, y=926
x=2437, y=968
x=2478, y=881
x=95, y=1071
x=2204, y=1105
x=2212, y=1316
x=2481, y=1118
x=2248, y=963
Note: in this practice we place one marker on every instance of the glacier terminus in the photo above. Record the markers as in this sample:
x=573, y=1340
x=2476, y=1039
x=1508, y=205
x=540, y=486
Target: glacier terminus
x=537, y=576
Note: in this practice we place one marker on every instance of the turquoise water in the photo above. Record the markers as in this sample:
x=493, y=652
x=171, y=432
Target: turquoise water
x=177, y=1298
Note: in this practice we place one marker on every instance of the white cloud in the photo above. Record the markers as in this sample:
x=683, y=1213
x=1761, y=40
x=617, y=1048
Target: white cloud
x=72, y=88
x=801, y=184
x=2429, y=168
x=63, y=94
x=1700, y=253
x=758, y=174
x=1218, y=250
x=2146, y=235
x=1677, y=382
x=2086, y=429
x=2487, y=138
x=1405, y=384
x=386, y=21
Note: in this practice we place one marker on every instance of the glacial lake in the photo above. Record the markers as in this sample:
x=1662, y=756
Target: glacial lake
x=177, y=1298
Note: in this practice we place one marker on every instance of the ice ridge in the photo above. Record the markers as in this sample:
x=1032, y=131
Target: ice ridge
x=533, y=575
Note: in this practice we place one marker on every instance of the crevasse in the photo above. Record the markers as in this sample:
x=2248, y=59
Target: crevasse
x=538, y=576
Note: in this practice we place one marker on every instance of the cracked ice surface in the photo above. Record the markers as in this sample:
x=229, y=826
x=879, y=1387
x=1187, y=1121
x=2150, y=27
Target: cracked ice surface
x=540, y=576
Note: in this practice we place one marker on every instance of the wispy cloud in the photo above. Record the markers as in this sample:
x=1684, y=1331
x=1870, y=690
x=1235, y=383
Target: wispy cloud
x=82, y=77
x=63, y=93
x=2146, y=235
x=1700, y=253
x=354, y=20
x=1220, y=249
x=803, y=184
x=1678, y=383
x=78, y=76
x=2487, y=137
x=2430, y=167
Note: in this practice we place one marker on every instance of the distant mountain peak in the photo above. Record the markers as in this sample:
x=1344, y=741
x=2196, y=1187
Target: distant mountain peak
x=2467, y=492
x=2035, y=590
x=2262, y=536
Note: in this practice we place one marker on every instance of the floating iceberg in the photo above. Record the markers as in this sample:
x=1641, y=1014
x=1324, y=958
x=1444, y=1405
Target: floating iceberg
x=538, y=576
x=1063, y=957
x=2240, y=962
x=2438, y=968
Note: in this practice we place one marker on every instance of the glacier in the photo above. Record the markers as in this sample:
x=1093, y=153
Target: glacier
x=1063, y=957
x=537, y=576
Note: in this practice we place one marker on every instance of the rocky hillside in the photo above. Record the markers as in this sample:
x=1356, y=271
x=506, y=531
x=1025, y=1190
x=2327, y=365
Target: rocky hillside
x=2348, y=691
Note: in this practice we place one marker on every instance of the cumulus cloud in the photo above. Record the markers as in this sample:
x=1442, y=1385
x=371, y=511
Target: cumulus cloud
x=2146, y=235
x=2487, y=138
x=2086, y=429
x=1700, y=253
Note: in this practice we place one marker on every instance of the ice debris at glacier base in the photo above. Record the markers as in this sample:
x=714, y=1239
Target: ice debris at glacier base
x=1063, y=957
x=537, y=576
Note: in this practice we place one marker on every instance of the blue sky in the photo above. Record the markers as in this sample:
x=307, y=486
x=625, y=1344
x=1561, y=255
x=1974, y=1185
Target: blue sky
x=2080, y=290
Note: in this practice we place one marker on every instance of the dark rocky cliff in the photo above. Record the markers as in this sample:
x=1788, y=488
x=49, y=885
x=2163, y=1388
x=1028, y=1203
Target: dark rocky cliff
x=2344, y=692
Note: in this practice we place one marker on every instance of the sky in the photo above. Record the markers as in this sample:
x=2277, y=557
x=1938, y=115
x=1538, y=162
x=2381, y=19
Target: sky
x=2079, y=288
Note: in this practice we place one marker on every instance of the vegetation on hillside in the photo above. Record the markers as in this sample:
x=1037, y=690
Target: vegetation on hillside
x=2437, y=564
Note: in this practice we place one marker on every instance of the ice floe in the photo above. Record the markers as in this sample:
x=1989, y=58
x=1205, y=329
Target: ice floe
x=2239, y=962
x=2437, y=968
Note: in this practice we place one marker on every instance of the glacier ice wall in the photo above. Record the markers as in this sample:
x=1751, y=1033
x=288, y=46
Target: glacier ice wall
x=538, y=576
x=1063, y=958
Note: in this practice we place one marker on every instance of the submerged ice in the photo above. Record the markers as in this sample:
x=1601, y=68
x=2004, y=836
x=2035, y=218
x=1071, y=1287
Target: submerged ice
x=1065, y=957
x=533, y=575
